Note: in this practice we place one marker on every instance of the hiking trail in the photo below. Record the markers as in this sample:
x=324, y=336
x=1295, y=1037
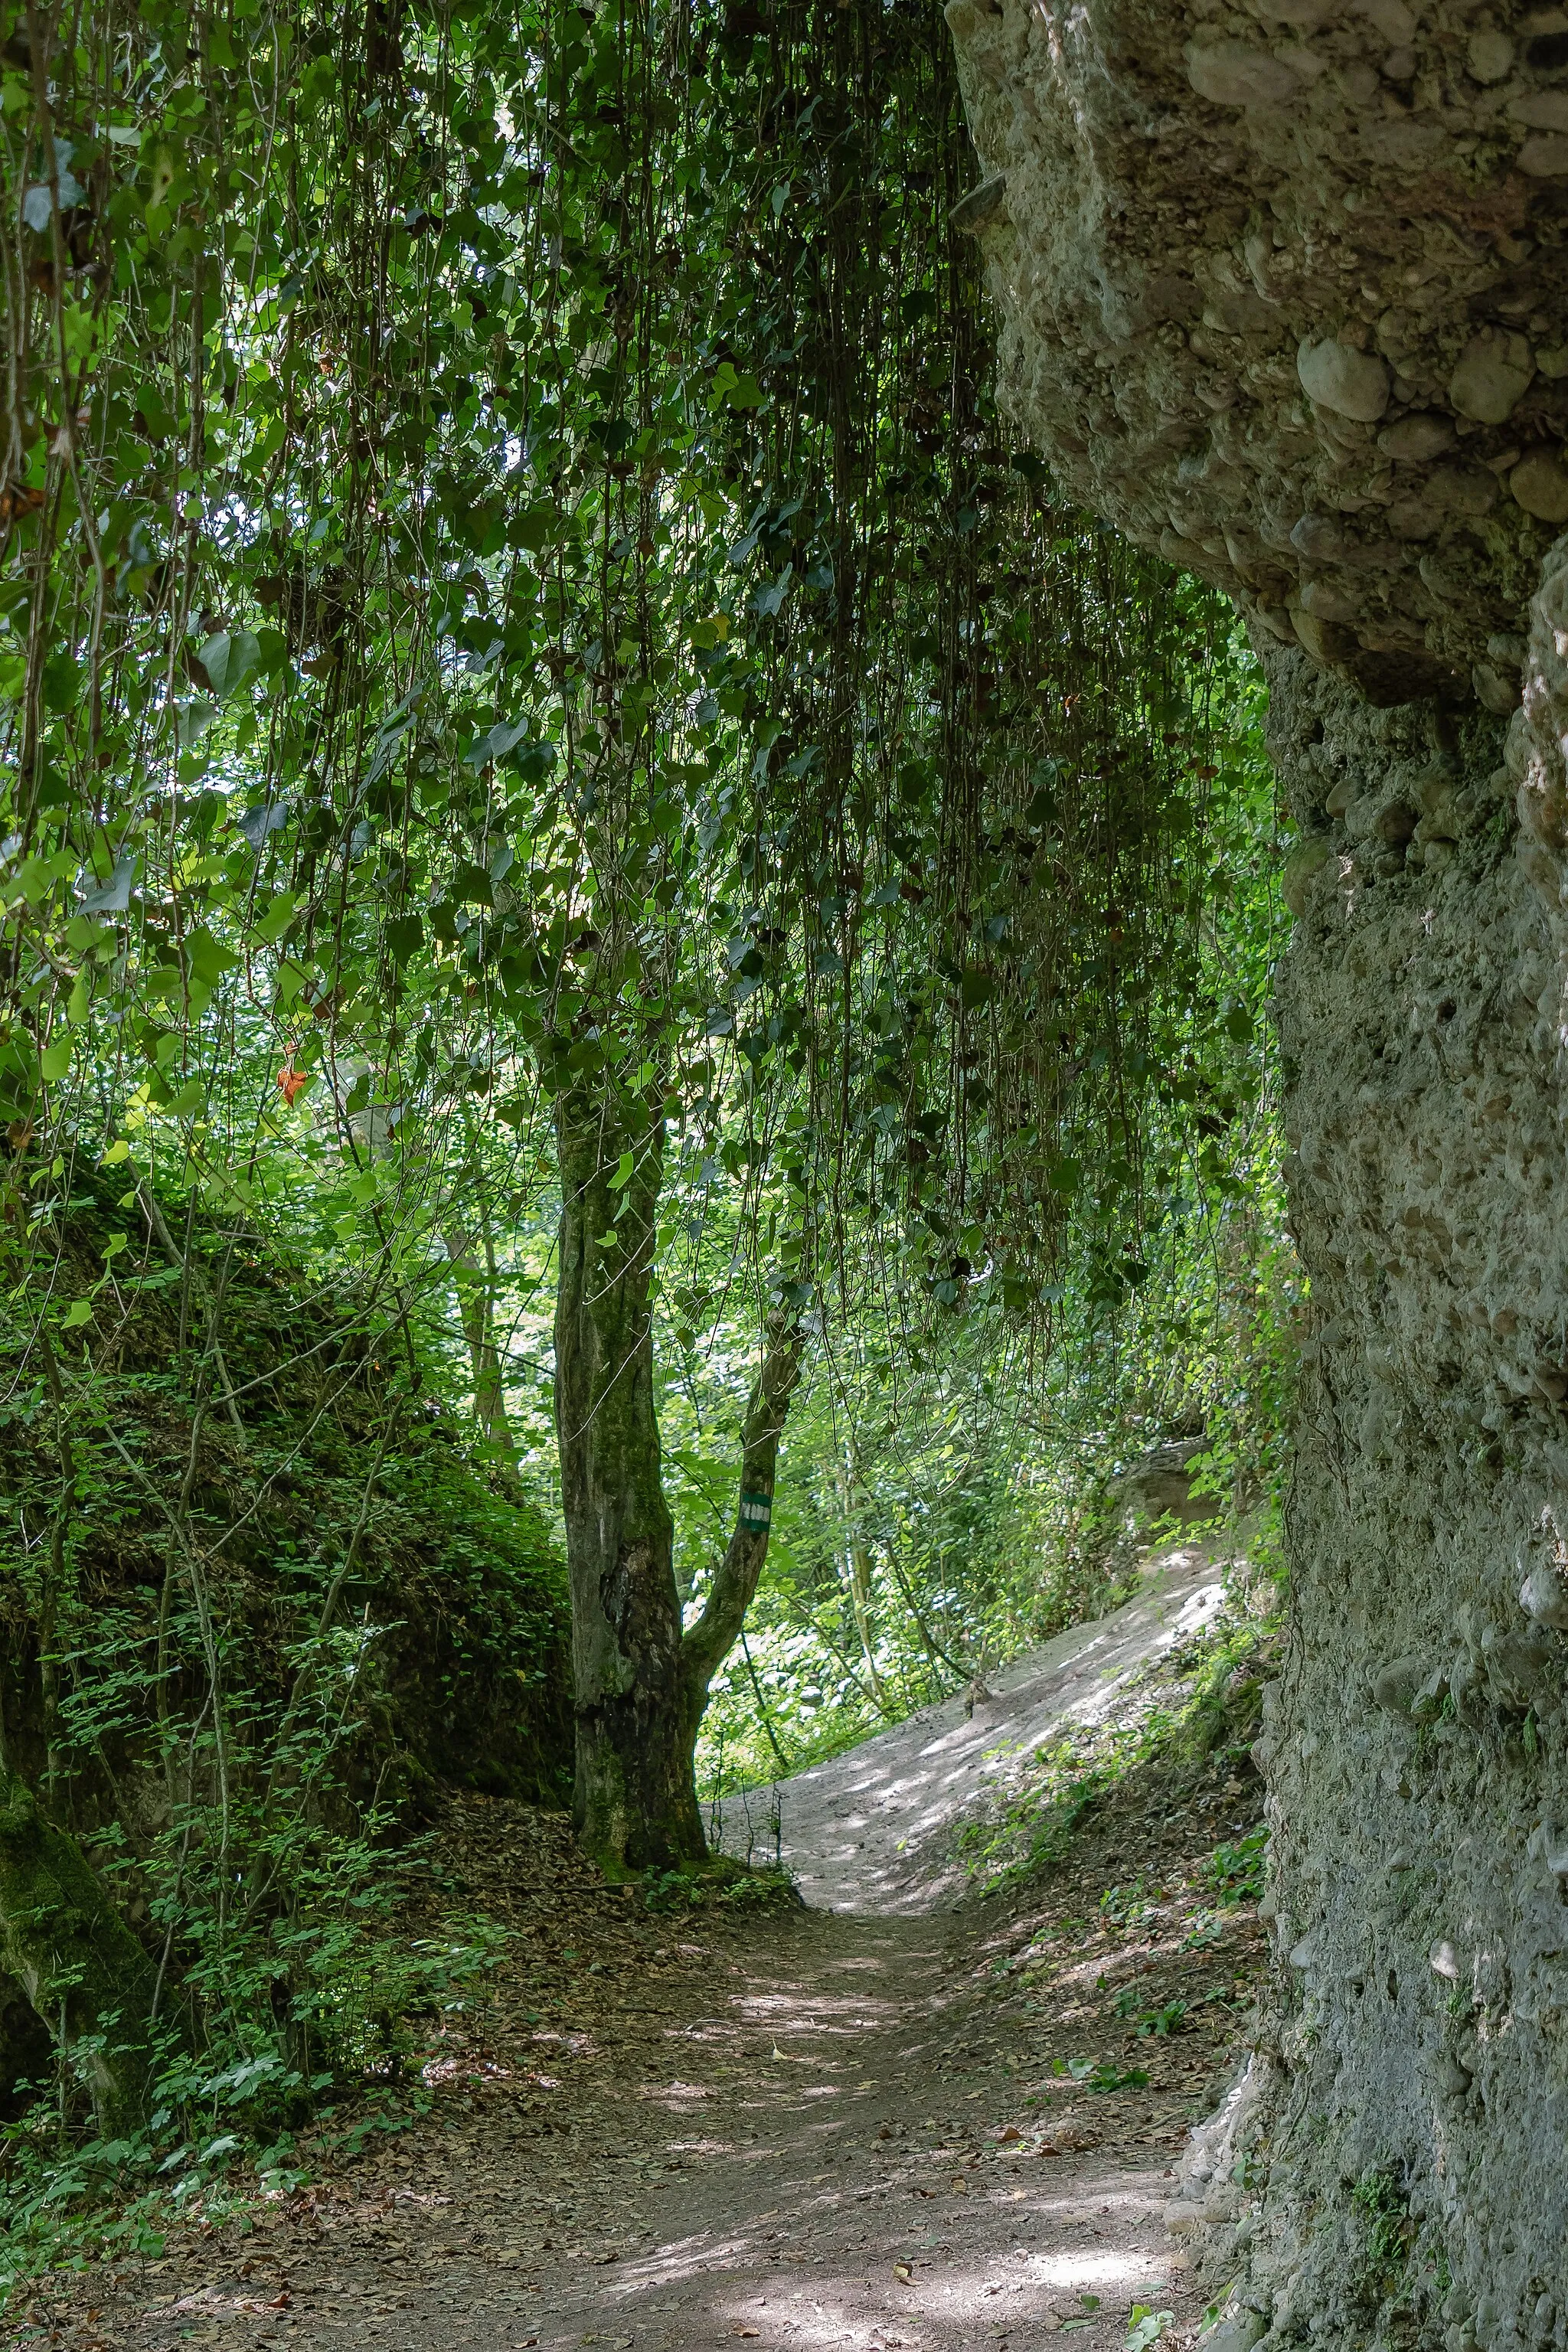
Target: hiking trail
x=893, y=2119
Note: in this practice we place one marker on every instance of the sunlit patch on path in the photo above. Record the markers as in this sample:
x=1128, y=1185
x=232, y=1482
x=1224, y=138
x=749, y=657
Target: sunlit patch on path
x=896, y=2130
x=871, y=1831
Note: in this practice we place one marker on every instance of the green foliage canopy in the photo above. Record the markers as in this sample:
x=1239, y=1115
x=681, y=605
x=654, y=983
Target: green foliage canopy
x=512, y=570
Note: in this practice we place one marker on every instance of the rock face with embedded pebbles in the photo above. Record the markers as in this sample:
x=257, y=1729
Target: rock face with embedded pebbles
x=1285, y=295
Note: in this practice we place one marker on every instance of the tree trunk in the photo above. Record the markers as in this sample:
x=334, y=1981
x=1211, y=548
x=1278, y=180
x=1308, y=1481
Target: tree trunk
x=475, y=1286
x=714, y=1634
x=80, y=1966
x=636, y=1802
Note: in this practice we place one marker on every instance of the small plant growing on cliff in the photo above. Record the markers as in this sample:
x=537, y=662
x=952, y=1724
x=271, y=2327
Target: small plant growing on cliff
x=1385, y=2210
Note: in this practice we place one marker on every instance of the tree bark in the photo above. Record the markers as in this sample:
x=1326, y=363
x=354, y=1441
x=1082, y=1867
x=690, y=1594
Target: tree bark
x=80, y=1966
x=636, y=1801
x=858, y=1561
x=710, y=1640
x=475, y=1286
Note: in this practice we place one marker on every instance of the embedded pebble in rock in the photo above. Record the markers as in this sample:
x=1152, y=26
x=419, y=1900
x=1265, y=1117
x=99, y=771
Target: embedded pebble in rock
x=1352, y=382
x=1417, y=436
x=1540, y=483
x=1492, y=377
x=1234, y=73
x=1544, y=1596
x=1489, y=57
x=1267, y=267
x=1284, y=293
x=1544, y=158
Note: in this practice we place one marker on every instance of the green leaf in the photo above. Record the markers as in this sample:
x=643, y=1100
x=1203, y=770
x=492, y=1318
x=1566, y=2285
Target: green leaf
x=404, y=937
x=55, y=1061
x=228, y=659
x=78, y=1312
x=623, y=1175
x=207, y=959
x=276, y=921
x=495, y=745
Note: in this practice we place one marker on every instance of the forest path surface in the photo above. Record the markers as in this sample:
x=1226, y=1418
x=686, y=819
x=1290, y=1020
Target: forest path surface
x=872, y=1830
x=798, y=2128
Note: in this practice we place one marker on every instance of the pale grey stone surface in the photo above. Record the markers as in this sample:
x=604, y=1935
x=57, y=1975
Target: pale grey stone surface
x=1284, y=292
x=1285, y=295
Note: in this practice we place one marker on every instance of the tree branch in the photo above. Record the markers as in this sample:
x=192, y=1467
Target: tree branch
x=710, y=1641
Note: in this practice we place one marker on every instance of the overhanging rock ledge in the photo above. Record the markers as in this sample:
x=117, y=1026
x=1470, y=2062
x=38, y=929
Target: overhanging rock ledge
x=1285, y=295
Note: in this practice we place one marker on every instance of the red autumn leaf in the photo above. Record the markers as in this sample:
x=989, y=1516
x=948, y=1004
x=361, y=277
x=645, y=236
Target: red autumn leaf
x=291, y=1082
x=280, y=2301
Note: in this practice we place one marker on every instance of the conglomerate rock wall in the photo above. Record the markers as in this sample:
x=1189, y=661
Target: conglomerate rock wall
x=1284, y=292
x=1285, y=295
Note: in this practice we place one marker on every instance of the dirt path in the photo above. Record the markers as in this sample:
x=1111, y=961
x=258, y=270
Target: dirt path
x=871, y=1831
x=800, y=2129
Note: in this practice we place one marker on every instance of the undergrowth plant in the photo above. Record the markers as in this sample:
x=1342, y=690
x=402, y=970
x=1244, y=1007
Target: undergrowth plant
x=1203, y=1701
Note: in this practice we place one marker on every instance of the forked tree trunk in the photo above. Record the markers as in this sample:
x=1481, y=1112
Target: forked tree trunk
x=636, y=1801
x=641, y=1686
x=80, y=1966
x=718, y=1629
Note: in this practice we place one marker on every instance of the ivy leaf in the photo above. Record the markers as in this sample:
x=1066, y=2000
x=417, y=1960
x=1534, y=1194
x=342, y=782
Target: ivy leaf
x=228, y=659
x=494, y=745
x=404, y=937
x=208, y=961
x=388, y=736
x=38, y=206
x=769, y=601
x=266, y=817
x=276, y=921
x=114, y=897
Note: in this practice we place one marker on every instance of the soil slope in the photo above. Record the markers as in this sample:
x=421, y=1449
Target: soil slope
x=872, y=1830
